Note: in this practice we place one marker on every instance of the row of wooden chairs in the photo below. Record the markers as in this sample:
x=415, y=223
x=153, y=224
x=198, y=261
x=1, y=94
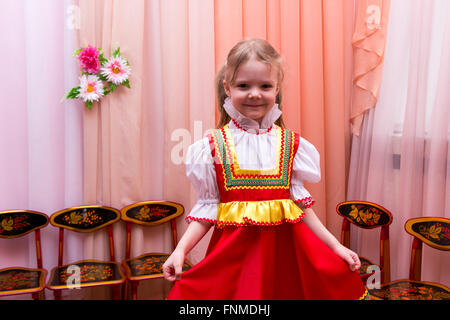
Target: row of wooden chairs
x=433, y=231
x=87, y=273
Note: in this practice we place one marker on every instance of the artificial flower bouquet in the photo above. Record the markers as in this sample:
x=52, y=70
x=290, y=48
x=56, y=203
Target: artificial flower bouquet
x=97, y=70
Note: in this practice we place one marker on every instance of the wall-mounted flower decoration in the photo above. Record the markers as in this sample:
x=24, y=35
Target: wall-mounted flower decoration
x=99, y=76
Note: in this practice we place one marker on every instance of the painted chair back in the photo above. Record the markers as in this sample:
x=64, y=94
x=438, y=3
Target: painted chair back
x=367, y=215
x=151, y=213
x=18, y=223
x=85, y=219
x=15, y=224
x=433, y=231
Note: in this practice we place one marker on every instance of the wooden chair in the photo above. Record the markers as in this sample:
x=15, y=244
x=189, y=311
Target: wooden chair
x=367, y=215
x=148, y=265
x=435, y=232
x=88, y=273
x=19, y=280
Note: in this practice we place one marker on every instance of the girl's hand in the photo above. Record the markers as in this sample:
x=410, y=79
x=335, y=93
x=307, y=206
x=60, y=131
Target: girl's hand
x=172, y=268
x=348, y=256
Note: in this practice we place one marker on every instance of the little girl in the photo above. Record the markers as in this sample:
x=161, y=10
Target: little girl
x=267, y=241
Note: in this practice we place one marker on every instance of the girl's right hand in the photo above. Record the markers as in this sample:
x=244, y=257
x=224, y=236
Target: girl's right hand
x=173, y=266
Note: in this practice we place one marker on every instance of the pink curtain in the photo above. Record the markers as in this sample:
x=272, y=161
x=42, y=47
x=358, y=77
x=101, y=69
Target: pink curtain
x=135, y=141
x=369, y=40
x=401, y=158
x=131, y=146
x=40, y=137
x=175, y=51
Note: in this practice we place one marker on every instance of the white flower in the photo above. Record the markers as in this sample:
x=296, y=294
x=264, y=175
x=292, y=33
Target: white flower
x=116, y=70
x=91, y=88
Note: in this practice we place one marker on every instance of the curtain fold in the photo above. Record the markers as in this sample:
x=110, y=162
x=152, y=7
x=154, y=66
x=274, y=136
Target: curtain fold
x=401, y=158
x=369, y=42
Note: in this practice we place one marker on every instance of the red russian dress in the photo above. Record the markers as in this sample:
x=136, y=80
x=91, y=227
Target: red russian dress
x=260, y=249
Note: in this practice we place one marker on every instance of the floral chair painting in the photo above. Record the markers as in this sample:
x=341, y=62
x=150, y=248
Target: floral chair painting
x=368, y=215
x=16, y=280
x=89, y=273
x=434, y=232
x=148, y=265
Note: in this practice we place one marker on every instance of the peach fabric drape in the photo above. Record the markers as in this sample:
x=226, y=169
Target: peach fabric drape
x=369, y=40
x=135, y=140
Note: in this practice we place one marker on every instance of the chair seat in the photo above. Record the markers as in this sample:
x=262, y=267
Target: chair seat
x=410, y=290
x=21, y=280
x=148, y=266
x=365, y=263
x=92, y=273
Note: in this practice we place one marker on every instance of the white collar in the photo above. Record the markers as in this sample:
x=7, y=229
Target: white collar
x=250, y=124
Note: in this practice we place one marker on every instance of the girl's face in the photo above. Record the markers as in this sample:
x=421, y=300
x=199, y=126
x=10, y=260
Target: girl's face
x=254, y=89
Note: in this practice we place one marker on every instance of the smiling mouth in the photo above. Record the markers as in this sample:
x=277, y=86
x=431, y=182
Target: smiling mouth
x=254, y=105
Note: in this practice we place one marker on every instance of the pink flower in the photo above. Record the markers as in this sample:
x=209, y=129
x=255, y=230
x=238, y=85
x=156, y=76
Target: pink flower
x=89, y=59
x=116, y=70
x=91, y=88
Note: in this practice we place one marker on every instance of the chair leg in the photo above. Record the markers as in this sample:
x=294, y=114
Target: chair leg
x=134, y=289
x=39, y=295
x=57, y=294
x=125, y=290
x=116, y=292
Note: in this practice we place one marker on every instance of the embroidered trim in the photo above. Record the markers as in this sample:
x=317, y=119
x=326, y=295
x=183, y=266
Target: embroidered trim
x=237, y=178
x=257, y=133
x=250, y=222
x=365, y=296
x=190, y=219
x=229, y=152
x=306, y=202
x=260, y=213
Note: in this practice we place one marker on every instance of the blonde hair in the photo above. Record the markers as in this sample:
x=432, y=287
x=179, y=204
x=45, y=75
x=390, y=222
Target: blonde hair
x=239, y=54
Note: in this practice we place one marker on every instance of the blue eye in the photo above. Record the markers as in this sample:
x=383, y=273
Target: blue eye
x=242, y=85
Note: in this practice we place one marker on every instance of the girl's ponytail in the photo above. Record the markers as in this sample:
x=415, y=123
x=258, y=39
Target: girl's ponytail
x=221, y=96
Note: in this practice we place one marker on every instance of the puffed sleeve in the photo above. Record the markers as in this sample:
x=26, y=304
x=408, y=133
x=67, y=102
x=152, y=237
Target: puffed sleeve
x=201, y=173
x=306, y=167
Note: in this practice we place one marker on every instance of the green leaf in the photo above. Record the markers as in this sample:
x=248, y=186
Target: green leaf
x=102, y=59
x=88, y=104
x=102, y=77
x=126, y=83
x=77, y=52
x=112, y=87
x=116, y=52
x=73, y=93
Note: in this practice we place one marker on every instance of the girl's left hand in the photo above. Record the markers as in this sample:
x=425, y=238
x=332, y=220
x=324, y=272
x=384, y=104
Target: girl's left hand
x=348, y=256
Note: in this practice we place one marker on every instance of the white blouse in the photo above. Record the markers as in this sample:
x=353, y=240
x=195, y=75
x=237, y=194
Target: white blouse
x=254, y=152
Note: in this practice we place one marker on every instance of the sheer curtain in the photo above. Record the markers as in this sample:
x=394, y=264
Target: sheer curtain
x=401, y=159
x=40, y=137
